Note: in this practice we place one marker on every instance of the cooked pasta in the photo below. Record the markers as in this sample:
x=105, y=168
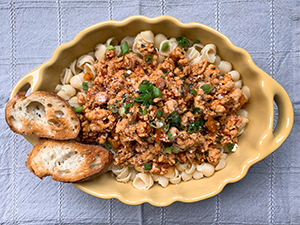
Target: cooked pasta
x=209, y=53
x=82, y=83
x=143, y=181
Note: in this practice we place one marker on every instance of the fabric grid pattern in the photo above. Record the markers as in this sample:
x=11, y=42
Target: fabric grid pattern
x=268, y=29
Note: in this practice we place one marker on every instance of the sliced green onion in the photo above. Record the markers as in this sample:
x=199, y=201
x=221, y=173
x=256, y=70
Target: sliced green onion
x=196, y=42
x=168, y=150
x=140, y=98
x=166, y=127
x=85, y=86
x=165, y=46
x=148, y=59
x=143, y=87
x=110, y=47
x=125, y=48
x=175, y=149
x=219, y=137
x=147, y=166
x=184, y=42
x=156, y=124
x=197, y=125
x=180, y=66
x=170, y=136
x=145, y=111
x=157, y=92
x=113, y=108
x=108, y=145
x=197, y=110
x=78, y=109
x=194, y=92
x=230, y=146
x=164, y=71
x=206, y=153
x=122, y=110
x=191, y=128
x=207, y=88
x=201, y=121
x=185, y=111
x=159, y=113
x=174, y=119
x=143, y=46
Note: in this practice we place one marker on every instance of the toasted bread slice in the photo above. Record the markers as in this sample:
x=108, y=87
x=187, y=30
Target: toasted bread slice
x=68, y=161
x=42, y=114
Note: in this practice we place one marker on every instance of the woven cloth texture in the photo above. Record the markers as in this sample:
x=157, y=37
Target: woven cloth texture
x=268, y=29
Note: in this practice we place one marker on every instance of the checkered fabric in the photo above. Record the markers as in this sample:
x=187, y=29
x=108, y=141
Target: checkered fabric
x=268, y=29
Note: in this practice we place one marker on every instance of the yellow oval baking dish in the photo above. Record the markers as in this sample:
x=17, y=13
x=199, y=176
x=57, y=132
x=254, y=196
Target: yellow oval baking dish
x=258, y=140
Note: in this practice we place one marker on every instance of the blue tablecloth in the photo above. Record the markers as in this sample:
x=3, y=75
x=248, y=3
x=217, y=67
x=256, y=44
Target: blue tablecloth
x=269, y=194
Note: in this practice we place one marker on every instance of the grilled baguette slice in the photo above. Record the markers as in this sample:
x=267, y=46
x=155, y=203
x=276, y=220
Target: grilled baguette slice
x=42, y=114
x=68, y=161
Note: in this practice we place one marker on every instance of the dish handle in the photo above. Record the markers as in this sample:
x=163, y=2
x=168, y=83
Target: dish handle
x=27, y=82
x=285, y=114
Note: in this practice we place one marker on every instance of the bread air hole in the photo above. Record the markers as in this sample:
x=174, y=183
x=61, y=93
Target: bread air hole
x=36, y=109
x=54, y=122
x=96, y=163
x=49, y=105
x=59, y=114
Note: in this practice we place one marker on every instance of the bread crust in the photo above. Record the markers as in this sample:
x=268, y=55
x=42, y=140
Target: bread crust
x=58, y=120
x=38, y=163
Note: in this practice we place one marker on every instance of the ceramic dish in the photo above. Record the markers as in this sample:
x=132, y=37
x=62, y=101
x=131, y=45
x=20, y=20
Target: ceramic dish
x=258, y=141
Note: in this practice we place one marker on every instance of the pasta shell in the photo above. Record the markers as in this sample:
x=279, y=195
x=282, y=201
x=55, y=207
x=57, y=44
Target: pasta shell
x=192, y=54
x=209, y=53
x=170, y=173
x=197, y=175
x=221, y=164
x=100, y=51
x=133, y=174
x=92, y=54
x=191, y=169
x=185, y=176
x=242, y=112
x=174, y=43
x=147, y=36
x=57, y=88
x=158, y=39
x=143, y=181
x=196, y=60
x=225, y=67
x=217, y=61
x=118, y=51
x=235, y=75
x=66, y=76
x=163, y=181
x=246, y=92
x=88, y=68
x=76, y=81
x=74, y=102
x=198, y=47
x=129, y=40
x=206, y=168
x=66, y=92
x=238, y=84
x=168, y=50
x=74, y=68
x=177, y=177
x=182, y=167
x=111, y=41
x=85, y=59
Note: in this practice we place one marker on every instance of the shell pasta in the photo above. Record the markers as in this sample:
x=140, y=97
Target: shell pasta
x=169, y=108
